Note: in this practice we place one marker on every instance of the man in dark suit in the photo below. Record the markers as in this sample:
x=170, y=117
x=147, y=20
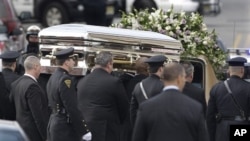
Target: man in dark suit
x=170, y=115
x=148, y=87
x=102, y=100
x=226, y=108
x=66, y=122
x=9, y=66
x=191, y=90
x=31, y=101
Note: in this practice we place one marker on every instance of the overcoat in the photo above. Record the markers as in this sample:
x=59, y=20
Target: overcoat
x=31, y=107
x=171, y=116
x=103, y=103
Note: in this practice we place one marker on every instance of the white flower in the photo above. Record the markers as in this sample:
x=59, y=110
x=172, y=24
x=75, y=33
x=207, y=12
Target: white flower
x=204, y=42
x=168, y=28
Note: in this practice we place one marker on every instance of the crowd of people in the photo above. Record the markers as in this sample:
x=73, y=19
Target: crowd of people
x=159, y=102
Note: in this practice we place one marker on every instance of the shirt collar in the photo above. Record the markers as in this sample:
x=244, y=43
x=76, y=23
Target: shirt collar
x=30, y=76
x=170, y=87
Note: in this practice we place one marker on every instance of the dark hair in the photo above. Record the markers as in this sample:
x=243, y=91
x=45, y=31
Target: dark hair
x=189, y=68
x=103, y=58
x=154, y=69
x=140, y=66
x=172, y=71
x=60, y=62
x=7, y=64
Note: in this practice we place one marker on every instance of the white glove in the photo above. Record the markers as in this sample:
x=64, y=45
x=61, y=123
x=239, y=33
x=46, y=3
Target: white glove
x=87, y=136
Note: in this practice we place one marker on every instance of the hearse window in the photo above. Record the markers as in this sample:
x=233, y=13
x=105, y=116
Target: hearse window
x=198, y=74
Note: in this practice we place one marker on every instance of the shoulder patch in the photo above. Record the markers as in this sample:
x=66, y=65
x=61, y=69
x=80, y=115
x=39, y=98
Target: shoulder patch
x=67, y=82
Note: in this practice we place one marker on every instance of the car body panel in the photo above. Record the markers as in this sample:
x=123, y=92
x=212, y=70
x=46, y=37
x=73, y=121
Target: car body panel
x=178, y=5
x=11, y=21
x=11, y=131
x=73, y=10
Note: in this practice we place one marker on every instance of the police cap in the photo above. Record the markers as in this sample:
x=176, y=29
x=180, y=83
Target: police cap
x=10, y=56
x=157, y=60
x=65, y=53
x=237, y=61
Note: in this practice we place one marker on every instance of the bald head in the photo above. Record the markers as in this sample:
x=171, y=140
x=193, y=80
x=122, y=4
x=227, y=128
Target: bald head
x=174, y=74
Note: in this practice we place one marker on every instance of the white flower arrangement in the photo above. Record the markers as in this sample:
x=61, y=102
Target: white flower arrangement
x=188, y=28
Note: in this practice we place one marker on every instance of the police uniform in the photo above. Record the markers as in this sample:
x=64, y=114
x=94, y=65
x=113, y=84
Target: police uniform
x=223, y=107
x=152, y=86
x=66, y=122
x=9, y=77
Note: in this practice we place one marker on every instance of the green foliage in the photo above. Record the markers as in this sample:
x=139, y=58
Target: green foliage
x=187, y=28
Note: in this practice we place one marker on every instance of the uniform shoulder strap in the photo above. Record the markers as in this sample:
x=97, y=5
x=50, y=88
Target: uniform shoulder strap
x=236, y=103
x=143, y=91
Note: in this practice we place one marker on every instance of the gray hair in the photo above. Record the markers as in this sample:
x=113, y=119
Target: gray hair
x=172, y=71
x=189, y=68
x=30, y=62
x=103, y=58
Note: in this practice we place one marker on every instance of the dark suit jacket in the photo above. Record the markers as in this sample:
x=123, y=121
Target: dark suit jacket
x=31, y=107
x=196, y=93
x=9, y=110
x=170, y=116
x=103, y=102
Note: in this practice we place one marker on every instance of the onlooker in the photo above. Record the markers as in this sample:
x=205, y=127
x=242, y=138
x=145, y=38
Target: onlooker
x=229, y=102
x=102, y=100
x=148, y=87
x=192, y=90
x=66, y=122
x=9, y=66
x=170, y=115
x=31, y=101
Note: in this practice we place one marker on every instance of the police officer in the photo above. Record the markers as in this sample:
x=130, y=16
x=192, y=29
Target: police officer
x=32, y=38
x=229, y=102
x=32, y=47
x=148, y=87
x=9, y=66
x=66, y=122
